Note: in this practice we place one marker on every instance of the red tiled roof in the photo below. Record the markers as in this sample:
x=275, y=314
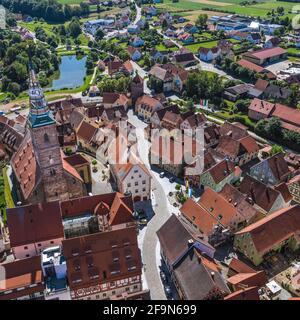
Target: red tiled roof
x=283, y=189
x=261, y=194
x=104, y=248
x=198, y=216
x=239, y=266
x=121, y=207
x=287, y=114
x=267, y=53
x=261, y=106
x=122, y=170
x=250, y=293
x=34, y=223
x=275, y=228
x=76, y=159
x=86, y=131
x=25, y=167
x=258, y=279
x=250, y=65
x=221, y=170
x=19, y=274
x=148, y=101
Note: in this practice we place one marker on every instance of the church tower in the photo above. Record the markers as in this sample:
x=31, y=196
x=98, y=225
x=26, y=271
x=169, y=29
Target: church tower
x=137, y=88
x=44, y=137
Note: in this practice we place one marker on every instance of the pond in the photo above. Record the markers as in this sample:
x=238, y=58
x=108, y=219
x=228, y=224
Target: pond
x=72, y=71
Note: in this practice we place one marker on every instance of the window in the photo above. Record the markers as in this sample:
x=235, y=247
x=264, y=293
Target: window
x=144, y=189
x=51, y=242
x=113, y=292
x=144, y=182
x=46, y=137
x=136, y=183
x=104, y=295
x=27, y=255
x=25, y=248
x=104, y=274
x=97, y=296
x=39, y=245
x=136, y=191
x=128, y=185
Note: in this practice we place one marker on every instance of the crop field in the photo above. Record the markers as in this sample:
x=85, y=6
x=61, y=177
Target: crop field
x=260, y=9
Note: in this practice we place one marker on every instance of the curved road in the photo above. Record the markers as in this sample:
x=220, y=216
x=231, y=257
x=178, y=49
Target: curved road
x=162, y=213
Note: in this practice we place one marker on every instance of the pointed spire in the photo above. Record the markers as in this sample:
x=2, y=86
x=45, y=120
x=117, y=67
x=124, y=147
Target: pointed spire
x=39, y=112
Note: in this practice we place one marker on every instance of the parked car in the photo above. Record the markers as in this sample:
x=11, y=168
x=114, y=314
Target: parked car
x=172, y=179
x=168, y=291
x=161, y=175
x=143, y=222
x=163, y=276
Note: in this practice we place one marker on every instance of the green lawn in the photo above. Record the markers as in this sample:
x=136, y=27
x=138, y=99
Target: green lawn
x=162, y=47
x=7, y=192
x=195, y=46
x=294, y=50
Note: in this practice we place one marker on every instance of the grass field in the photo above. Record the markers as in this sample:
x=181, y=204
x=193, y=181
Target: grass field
x=260, y=9
x=208, y=44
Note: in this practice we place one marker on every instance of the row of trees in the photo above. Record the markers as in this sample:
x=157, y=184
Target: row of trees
x=50, y=10
x=235, y=69
x=15, y=54
x=121, y=84
x=273, y=130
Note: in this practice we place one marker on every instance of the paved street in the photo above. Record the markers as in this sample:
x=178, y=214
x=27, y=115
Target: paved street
x=162, y=209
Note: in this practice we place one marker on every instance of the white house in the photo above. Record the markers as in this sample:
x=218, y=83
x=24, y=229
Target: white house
x=209, y=54
x=133, y=178
x=93, y=25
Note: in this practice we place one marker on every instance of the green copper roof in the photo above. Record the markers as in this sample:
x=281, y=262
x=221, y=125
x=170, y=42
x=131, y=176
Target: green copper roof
x=40, y=120
x=39, y=114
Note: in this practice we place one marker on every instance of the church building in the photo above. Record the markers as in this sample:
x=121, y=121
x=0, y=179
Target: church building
x=40, y=169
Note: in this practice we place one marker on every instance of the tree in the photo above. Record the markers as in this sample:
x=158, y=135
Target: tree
x=99, y=34
x=292, y=99
x=14, y=88
x=74, y=28
x=275, y=149
x=201, y=21
x=273, y=128
x=164, y=24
